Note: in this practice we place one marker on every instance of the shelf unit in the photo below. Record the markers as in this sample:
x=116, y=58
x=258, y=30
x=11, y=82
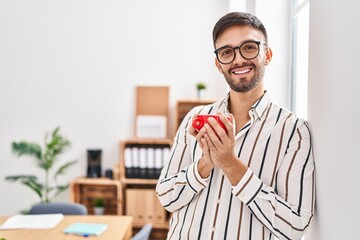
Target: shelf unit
x=140, y=199
x=85, y=190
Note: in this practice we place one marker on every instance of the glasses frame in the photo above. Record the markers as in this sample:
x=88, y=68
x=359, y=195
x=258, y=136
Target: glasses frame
x=239, y=47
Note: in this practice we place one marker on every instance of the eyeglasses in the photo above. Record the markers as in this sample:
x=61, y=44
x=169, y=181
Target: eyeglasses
x=248, y=50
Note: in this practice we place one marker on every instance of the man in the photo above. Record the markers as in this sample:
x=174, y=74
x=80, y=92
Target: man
x=255, y=178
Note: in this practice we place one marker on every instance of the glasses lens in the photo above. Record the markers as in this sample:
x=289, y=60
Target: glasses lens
x=226, y=55
x=249, y=50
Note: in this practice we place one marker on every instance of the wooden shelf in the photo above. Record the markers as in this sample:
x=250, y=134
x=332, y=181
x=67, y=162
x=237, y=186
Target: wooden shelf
x=97, y=181
x=150, y=141
x=85, y=190
x=139, y=181
x=140, y=199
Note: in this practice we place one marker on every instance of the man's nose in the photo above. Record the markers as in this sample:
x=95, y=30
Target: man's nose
x=238, y=56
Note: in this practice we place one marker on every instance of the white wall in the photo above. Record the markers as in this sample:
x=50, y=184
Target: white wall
x=334, y=116
x=75, y=63
x=275, y=16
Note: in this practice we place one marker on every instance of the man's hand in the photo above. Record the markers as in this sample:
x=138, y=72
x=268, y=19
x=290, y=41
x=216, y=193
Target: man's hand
x=221, y=145
x=220, y=142
x=205, y=165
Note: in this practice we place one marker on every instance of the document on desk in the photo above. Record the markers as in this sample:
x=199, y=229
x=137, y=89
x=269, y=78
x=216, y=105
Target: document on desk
x=38, y=221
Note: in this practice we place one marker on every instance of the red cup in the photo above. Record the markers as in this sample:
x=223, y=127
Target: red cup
x=199, y=121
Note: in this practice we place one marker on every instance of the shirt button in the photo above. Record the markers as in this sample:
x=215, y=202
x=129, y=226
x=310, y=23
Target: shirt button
x=222, y=173
x=218, y=200
x=213, y=229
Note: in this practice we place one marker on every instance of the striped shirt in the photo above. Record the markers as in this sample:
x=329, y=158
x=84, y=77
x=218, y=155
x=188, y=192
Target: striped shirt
x=274, y=199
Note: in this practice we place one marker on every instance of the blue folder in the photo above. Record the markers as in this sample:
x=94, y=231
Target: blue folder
x=86, y=229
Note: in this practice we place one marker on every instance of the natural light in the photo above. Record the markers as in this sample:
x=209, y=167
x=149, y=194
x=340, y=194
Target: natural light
x=300, y=24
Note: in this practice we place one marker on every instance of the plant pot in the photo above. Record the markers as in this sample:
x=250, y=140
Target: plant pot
x=99, y=210
x=201, y=93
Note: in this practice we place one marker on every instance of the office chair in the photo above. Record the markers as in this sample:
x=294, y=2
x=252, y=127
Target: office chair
x=64, y=208
x=144, y=233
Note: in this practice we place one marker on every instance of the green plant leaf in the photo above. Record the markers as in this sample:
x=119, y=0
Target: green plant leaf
x=200, y=85
x=47, y=157
x=27, y=148
x=55, y=132
x=59, y=189
x=28, y=180
x=57, y=145
x=62, y=169
x=99, y=202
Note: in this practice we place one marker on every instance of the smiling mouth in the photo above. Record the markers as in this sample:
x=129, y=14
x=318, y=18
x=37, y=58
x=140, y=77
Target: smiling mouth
x=242, y=71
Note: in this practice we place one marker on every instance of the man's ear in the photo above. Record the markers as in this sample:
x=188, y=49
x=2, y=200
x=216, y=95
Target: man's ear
x=217, y=63
x=268, y=55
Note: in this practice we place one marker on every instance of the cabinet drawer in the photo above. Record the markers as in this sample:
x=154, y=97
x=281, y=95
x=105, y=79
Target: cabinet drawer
x=144, y=206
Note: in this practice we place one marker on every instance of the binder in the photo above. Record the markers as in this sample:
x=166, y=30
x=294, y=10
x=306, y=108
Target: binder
x=142, y=163
x=151, y=162
x=135, y=162
x=158, y=161
x=129, y=171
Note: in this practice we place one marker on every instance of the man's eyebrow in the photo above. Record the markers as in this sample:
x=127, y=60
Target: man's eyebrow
x=238, y=44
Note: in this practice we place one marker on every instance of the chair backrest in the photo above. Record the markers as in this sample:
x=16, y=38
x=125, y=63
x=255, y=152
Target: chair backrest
x=64, y=208
x=144, y=233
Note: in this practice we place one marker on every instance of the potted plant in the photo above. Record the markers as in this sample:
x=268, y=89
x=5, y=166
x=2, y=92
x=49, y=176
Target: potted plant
x=99, y=206
x=201, y=89
x=47, y=157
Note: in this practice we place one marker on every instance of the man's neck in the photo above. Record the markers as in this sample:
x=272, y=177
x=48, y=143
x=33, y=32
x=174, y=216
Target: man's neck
x=241, y=102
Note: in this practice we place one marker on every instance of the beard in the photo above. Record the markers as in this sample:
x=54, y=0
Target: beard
x=243, y=84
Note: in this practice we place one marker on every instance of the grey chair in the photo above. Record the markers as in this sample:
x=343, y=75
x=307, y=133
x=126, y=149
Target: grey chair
x=64, y=208
x=144, y=233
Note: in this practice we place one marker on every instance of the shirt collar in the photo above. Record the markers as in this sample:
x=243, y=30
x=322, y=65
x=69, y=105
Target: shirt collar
x=257, y=109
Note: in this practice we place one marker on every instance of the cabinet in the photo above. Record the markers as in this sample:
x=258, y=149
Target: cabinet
x=85, y=190
x=184, y=106
x=148, y=211
x=140, y=199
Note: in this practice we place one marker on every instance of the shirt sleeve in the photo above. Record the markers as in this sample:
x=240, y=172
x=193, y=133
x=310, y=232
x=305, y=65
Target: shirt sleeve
x=180, y=180
x=287, y=208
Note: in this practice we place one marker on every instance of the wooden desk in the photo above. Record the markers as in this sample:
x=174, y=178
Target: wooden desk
x=119, y=227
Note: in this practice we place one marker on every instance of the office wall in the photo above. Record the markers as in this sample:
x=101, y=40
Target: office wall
x=75, y=64
x=275, y=15
x=334, y=117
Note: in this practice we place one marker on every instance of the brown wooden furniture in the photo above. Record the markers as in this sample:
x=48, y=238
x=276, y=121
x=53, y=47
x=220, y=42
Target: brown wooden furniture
x=119, y=227
x=85, y=190
x=140, y=199
x=152, y=101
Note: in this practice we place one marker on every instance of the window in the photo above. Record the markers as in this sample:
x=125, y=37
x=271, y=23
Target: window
x=300, y=53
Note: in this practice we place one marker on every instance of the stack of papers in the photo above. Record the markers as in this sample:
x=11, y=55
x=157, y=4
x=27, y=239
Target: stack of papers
x=86, y=229
x=39, y=221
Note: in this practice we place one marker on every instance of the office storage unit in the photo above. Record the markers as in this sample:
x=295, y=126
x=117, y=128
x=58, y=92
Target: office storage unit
x=140, y=197
x=141, y=159
x=86, y=190
x=144, y=206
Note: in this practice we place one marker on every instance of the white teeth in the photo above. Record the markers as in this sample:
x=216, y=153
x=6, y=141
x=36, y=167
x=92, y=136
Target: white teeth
x=242, y=71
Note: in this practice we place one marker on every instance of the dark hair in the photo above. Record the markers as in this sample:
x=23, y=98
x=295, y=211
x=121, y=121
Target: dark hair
x=237, y=18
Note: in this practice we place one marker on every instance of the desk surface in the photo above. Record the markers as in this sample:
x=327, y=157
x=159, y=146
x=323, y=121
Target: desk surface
x=119, y=227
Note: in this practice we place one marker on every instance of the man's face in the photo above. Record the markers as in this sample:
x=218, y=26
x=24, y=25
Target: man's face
x=243, y=75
